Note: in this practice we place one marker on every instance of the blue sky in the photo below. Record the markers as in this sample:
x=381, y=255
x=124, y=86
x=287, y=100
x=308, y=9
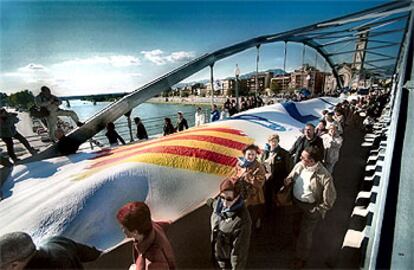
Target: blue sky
x=85, y=47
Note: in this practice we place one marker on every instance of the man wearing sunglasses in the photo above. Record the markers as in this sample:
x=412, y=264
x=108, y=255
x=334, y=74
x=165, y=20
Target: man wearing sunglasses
x=230, y=228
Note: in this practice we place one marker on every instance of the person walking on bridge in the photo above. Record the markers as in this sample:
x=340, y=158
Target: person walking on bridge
x=313, y=195
x=168, y=127
x=330, y=120
x=230, y=227
x=199, y=117
x=252, y=174
x=49, y=104
x=141, y=131
x=215, y=114
x=17, y=251
x=181, y=122
x=308, y=139
x=112, y=135
x=66, y=145
x=278, y=163
x=332, y=143
x=8, y=131
x=152, y=249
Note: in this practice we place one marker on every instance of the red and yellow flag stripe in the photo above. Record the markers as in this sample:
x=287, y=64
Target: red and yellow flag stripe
x=208, y=150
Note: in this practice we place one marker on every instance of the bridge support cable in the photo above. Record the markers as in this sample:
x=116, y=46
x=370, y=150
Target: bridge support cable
x=303, y=55
x=256, y=93
x=212, y=83
x=284, y=65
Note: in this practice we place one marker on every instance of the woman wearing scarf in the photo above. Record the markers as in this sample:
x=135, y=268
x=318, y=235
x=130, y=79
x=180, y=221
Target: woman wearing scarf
x=251, y=176
x=230, y=228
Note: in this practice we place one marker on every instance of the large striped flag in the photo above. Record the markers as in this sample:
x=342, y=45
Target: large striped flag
x=212, y=150
x=78, y=196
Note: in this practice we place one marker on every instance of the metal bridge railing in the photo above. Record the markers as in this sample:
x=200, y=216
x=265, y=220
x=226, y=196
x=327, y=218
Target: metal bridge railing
x=153, y=125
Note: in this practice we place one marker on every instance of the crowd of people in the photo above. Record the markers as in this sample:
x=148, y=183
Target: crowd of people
x=48, y=109
x=304, y=172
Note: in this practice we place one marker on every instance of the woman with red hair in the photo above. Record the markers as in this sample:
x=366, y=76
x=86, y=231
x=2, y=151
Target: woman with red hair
x=152, y=250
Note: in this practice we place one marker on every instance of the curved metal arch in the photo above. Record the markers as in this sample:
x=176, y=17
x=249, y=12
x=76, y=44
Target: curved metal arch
x=97, y=122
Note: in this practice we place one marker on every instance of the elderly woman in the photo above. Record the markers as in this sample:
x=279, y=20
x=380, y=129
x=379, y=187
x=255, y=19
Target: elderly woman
x=253, y=174
x=278, y=163
x=332, y=143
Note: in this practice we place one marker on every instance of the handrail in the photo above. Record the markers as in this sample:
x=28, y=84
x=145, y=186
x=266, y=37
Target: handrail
x=122, y=128
x=376, y=231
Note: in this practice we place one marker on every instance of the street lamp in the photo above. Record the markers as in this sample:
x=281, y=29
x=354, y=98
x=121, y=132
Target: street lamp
x=237, y=73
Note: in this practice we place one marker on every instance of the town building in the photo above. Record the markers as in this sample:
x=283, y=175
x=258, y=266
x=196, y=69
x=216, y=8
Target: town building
x=279, y=83
x=308, y=77
x=263, y=82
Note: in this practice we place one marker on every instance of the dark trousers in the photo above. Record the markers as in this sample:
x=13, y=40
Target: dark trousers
x=304, y=223
x=10, y=147
x=256, y=212
x=271, y=187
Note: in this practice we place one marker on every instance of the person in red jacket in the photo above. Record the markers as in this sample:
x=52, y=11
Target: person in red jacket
x=152, y=250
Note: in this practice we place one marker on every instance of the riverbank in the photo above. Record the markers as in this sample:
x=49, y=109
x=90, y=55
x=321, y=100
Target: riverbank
x=192, y=100
x=195, y=100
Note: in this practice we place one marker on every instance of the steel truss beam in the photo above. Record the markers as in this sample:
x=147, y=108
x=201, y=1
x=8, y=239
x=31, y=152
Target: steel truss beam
x=380, y=22
x=358, y=29
x=361, y=50
x=377, y=34
x=377, y=67
x=383, y=55
x=347, y=39
x=370, y=61
x=381, y=41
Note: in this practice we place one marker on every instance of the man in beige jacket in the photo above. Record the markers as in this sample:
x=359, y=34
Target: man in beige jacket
x=313, y=195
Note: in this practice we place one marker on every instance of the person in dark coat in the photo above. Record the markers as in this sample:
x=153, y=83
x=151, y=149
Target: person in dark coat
x=112, y=135
x=308, y=139
x=230, y=228
x=215, y=114
x=8, y=132
x=17, y=251
x=181, y=122
x=141, y=131
x=278, y=163
x=168, y=127
x=233, y=108
x=65, y=145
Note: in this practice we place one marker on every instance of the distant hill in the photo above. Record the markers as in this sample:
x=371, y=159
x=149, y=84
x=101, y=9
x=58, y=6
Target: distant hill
x=277, y=71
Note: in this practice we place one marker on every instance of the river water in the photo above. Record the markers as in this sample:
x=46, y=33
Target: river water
x=151, y=114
